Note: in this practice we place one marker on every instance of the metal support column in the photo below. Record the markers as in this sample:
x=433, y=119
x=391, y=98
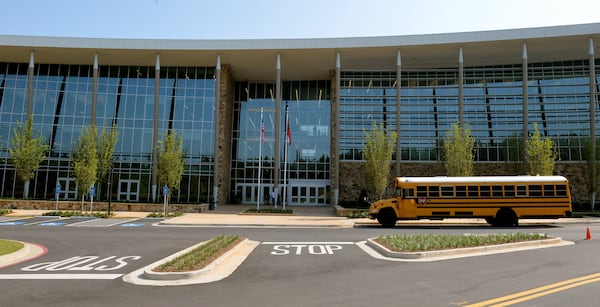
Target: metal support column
x=277, y=144
x=525, y=99
x=461, y=88
x=398, y=104
x=155, y=132
x=94, y=89
x=30, y=72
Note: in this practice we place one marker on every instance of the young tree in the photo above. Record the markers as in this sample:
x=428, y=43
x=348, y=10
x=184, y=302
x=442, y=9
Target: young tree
x=378, y=154
x=170, y=161
x=84, y=159
x=540, y=154
x=106, y=141
x=28, y=150
x=457, y=153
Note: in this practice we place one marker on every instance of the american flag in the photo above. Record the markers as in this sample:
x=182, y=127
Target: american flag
x=289, y=134
x=262, y=130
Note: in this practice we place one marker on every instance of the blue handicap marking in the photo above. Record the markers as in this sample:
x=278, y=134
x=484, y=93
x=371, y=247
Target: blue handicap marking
x=11, y=223
x=132, y=225
x=52, y=224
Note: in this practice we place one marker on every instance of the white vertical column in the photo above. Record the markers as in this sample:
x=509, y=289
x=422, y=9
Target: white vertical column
x=277, y=143
x=155, y=131
x=94, y=89
x=335, y=127
x=30, y=72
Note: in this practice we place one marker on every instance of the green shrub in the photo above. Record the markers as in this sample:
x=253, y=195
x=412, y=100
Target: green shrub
x=200, y=256
x=169, y=215
x=270, y=211
x=5, y=211
x=430, y=242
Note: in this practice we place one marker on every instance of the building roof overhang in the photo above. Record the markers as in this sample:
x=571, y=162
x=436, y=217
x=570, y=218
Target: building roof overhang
x=311, y=59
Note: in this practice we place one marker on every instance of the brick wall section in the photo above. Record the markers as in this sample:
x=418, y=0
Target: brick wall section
x=354, y=180
x=98, y=206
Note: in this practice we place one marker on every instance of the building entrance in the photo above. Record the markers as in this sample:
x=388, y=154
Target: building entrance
x=129, y=190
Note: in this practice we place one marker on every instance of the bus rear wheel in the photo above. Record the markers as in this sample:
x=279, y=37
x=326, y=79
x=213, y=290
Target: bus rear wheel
x=387, y=218
x=505, y=218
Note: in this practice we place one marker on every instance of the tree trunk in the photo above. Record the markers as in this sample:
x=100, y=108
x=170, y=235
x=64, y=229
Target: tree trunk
x=26, y=190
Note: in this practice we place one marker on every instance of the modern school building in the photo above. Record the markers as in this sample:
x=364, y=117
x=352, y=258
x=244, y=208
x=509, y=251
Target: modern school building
x=211, y=92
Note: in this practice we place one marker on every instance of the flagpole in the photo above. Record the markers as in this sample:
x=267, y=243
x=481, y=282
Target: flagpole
x=285, y=150
x=260, y=142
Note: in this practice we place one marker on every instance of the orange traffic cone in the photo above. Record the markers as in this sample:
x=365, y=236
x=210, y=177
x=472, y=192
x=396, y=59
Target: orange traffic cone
x=588, y=234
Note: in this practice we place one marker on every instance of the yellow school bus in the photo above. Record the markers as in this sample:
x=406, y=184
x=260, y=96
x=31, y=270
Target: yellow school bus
x=500, y=200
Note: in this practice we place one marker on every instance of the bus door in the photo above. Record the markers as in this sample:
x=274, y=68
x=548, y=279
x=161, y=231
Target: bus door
x=407, y=203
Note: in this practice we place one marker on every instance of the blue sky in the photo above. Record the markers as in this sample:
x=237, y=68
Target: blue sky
x=250, y=19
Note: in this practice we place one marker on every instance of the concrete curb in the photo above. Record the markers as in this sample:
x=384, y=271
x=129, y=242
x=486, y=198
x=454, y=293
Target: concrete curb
x=387, y=254
x=28, y=252
x=221, y=268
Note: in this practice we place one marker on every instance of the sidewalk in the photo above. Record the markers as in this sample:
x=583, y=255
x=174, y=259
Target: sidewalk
x=303, y=216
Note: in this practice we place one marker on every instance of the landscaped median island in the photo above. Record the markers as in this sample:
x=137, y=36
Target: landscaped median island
x=201, y=256
x=208, y=261
x=9, y=246
x=429, y=247
x=431, y=242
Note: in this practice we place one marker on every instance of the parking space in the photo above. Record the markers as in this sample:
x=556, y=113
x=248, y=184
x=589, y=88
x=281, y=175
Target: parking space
x=54, y=221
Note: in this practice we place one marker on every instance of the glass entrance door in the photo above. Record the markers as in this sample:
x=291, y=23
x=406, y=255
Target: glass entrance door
x=128, y=190
x=308, y=192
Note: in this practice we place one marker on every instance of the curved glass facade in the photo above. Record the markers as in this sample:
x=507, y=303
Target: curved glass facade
x=558, y=103
x=62, y=106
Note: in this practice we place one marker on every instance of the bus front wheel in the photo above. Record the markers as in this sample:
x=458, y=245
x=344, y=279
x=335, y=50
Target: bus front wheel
x=387, y=218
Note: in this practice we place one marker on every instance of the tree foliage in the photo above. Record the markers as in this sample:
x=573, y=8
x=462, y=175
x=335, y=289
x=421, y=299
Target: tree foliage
x=457, y=153
x=540, y=154
x=106, y=141
x=84, y=159
x=170, y=160
x=378, y=154
x=28, y=150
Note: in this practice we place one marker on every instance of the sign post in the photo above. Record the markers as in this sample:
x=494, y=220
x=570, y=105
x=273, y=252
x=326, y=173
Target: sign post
x=92, y=190
x=57, y=194
x=165, y=192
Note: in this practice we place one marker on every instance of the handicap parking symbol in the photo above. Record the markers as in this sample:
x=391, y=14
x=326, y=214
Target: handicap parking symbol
x=52, y=224
x=132, y=225
x=11, y=223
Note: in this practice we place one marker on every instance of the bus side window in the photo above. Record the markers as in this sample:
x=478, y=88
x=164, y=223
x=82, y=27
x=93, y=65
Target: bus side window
x=484, y=191
x=535, y=190
x=448, y=191
x=434, y=191
x=461, y=191
x=473, y=191
x=521, y=190
x=509, y=190
x=561, y=190
x=497, y=190
x=408, y=193
x=549, y=190
x=421, y=191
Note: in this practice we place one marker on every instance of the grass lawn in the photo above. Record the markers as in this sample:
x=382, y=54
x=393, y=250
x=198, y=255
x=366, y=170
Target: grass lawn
x=9, y=246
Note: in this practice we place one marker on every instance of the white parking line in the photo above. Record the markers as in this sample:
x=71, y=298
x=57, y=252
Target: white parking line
x=101, y=222
x=59, y=276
